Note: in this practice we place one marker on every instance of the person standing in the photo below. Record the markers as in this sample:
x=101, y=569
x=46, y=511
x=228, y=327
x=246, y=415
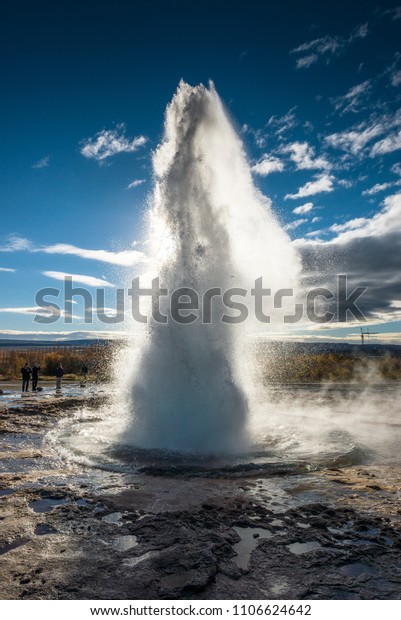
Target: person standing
x=35, y=376
x=59, y=375
x=26, y=375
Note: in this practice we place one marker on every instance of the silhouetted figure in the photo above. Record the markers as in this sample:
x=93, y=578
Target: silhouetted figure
x=59, y=375
x=26, y=375
x=84, y=371
x=35, y=376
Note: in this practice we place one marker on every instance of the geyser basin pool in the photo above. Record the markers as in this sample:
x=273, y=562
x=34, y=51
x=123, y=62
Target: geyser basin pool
x=293, y=429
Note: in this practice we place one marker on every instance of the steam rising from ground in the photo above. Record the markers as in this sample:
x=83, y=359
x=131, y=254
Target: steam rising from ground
x=293, y=428
x=190, y=386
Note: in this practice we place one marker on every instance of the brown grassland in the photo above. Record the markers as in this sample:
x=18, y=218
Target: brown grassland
x=271, y=368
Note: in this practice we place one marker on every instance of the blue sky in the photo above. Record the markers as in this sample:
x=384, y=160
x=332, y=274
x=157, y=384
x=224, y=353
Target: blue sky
x=314, y=89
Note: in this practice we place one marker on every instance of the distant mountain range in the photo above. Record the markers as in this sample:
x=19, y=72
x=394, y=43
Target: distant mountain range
x=60, y=336
x=316, y=348
x=37, y=344
x=274, y=347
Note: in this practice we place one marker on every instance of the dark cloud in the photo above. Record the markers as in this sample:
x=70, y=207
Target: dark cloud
x=369, y=256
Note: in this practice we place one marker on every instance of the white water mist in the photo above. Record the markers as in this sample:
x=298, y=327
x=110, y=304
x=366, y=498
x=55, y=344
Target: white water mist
x=189, y=387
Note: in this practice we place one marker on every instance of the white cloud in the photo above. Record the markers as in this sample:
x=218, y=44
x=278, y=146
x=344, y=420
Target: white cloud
x=396, y=78
x=126, y=258
x=257, y=134
x=78, y=278
x=281, y=124
x=314, y=233
x=136, y=183
x=396, y=168
x=306, y=61
x=295, y=224
x=360, y=32
x=8, y=269
x=326, y=47
x=107, y=143
x=108, y=311
x=16, y=243
x=25, y=310
x=386, y=221
x=323, y=183
x=267, y=165
x=303, y=155
x=387, y=145
x=352, y=100
x=321, y=45
x=39, y=310
x=345, y=183
x=395, y=13
x=379, y=187
x=303, y=209
x=353, y=224
x=316, y=219
x=356, y=139
x=42, y=163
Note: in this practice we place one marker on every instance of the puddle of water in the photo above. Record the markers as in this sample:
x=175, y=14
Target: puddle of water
x=145, y=556
x=47, y=504
x=335, y=530
x=81, y=502
x=359, y=542
x=13, y=545
x=346, y=595
x=43, y=528
x=304, y=526
x=369, y=531
x=113, y=517
x=299, y=548
x=123, y=543
x=176, y=581
x=358, y=569
x=5, y=492
x=250, y=537
x=278, y=523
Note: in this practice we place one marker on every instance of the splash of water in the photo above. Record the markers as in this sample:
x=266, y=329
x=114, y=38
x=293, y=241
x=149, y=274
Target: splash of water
x=190, y=386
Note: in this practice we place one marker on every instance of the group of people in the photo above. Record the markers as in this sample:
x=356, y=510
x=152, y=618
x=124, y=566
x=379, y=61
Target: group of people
x=27, y=373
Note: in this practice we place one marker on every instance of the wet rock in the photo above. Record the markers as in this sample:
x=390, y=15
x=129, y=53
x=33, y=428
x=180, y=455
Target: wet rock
x=43, y=529
x=185, y=544
x=230, y=569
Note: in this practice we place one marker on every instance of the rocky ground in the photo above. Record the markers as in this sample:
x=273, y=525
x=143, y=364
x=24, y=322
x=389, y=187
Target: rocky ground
x=72, y=534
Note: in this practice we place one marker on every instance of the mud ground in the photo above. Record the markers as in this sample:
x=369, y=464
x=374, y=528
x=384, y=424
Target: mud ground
x=67, y=533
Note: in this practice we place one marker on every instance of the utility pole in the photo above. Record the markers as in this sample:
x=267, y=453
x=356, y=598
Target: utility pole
x=367, y=333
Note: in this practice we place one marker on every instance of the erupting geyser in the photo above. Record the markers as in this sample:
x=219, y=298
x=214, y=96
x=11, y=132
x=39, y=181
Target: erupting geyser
x=190, y=387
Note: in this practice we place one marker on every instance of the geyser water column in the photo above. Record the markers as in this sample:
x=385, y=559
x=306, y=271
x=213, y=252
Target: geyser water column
x=208, y=227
